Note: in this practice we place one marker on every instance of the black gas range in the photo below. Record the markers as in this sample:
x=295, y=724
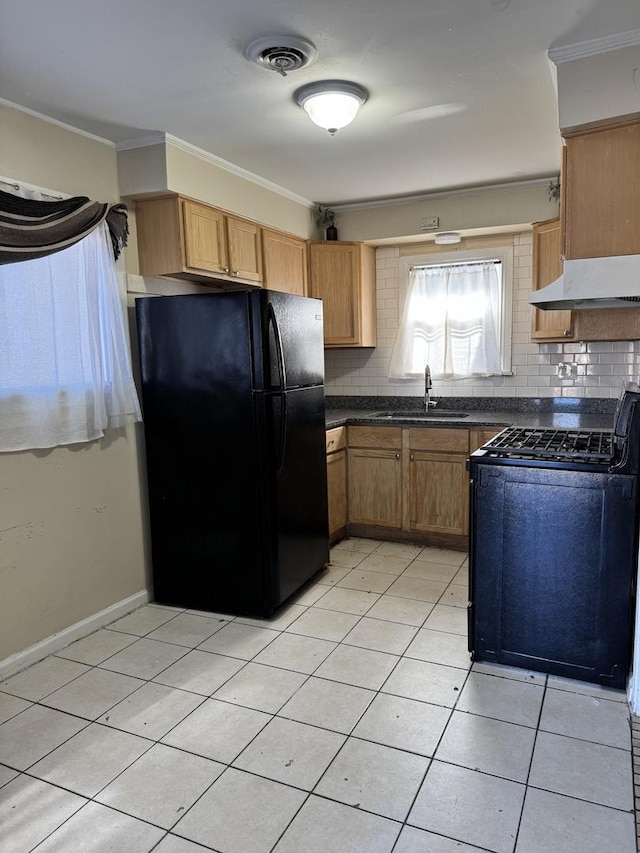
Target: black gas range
x=553, y=547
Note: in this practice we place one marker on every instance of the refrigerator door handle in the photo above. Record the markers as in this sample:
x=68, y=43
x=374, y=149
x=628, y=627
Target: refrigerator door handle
x=283, y=433
x=282, y=371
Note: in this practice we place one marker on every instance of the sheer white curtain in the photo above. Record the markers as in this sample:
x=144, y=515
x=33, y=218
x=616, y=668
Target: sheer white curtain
x=65, y=370
x=450, y=321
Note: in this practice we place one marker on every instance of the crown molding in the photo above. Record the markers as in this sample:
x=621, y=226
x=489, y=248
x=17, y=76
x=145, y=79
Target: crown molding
x=62, y=124
x=592, y=47
x=167, y=139
x=464, y=191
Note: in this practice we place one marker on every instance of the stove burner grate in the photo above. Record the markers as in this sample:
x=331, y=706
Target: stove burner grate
x=569, y=444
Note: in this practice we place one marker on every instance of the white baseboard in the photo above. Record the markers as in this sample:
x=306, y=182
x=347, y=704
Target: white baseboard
x=14, y=663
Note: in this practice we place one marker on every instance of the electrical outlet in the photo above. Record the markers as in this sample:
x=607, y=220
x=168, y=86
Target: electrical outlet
x=430, y=223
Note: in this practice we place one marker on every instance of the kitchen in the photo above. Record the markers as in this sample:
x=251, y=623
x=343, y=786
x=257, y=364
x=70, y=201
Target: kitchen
x=74, y=540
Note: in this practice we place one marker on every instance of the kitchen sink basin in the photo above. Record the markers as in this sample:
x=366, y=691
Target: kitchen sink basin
x=421, y=414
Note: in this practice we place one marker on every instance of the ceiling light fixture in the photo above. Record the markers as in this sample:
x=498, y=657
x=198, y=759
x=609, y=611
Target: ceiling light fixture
x=331, y=104
x=446, y=238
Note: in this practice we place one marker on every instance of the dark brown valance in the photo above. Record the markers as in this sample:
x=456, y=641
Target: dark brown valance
x=33, y=229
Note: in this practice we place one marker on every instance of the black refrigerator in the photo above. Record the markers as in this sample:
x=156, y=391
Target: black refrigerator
x=233, y=409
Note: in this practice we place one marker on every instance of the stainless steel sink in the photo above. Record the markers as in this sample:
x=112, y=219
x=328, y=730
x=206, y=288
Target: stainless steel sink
x=422, y=415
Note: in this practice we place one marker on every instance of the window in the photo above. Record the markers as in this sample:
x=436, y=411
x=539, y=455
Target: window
x=65, y=372
x=456, y=316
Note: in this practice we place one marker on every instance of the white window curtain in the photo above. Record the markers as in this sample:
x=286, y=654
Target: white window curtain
x=450, y=321
x=65, y=370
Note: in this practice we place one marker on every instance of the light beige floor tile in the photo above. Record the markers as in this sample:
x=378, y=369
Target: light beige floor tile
x=587, y=771
x=310, y=594
x=357, y=544
x=239, y=641
x=144, y=620
x=529, y=676
x=428, y=682
x=404, y=551
x=200, y=672
x=563, y=825
x=187, y=629
x=455, y=595
x=295, y=652
x=374, y=778
x=27, y=737
x=264, y=688
x=438, y=572
x=93, y=693
x=452, y=620
x=172, y=844
x=327, y=704
x=217, y=730
x=586, y=717
x=90, y=760
x=439, y=647
x=359, y=667
x=7, y=774
x=151, y=711
x=11, y=705
x=30, y=810
x=462, y=575
x=368, y=581
x=597, y=690
x=144, y=658
x=290, y=752
x=322, y=825
x=347, y=601
x=222, y=819
x=323, y=624
x=381, y=636
x=98, y=829
x=331, y=575
x=417, y=588
x=97, y=647
x=468, y=806
x=414, y=840
x=279, y=621
x=480, y=743
x=383, y=564
x=502, y=698
x=43, y=678
x=443, y=555
x=403, y=723
x=161, y=785
x=405, y=611
x=346, y=559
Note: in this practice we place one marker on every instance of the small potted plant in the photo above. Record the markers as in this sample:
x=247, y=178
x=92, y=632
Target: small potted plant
x=325, y=218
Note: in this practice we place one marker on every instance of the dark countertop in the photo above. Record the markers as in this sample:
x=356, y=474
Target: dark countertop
x=595, y=417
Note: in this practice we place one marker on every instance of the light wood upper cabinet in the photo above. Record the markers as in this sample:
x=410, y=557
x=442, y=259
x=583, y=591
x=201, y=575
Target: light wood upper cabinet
x=182, y=238
x=600, y=194
x=547, y=267
x=284, y=262
x=343, y=276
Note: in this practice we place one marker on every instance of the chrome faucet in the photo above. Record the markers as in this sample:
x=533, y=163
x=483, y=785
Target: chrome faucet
x=428, y=386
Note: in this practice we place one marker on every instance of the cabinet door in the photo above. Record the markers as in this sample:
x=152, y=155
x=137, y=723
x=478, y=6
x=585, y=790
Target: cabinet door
x=438, y=493
x=334, y=279
x=204, y=238
x=285, y=262
x=602, y=203
x=337, y=491
x=547, y=267
x=375, y=487
x=245, y=256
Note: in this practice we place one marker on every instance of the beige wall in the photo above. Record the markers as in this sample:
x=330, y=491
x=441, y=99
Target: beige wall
x=72, y=540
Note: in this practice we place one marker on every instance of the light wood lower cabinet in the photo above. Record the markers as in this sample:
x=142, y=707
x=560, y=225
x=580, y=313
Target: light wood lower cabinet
x=438, y=493
x=375, y=487
x=337, y=481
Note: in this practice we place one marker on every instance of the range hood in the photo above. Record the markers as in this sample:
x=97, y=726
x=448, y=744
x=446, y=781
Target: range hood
x=593, y=283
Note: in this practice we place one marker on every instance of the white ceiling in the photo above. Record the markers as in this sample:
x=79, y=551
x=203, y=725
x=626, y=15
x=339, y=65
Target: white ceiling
x=461, y=91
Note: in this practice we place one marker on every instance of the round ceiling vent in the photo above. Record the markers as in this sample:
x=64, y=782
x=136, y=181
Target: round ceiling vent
x=281, y=53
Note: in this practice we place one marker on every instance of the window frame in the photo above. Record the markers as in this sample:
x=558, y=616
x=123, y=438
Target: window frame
x=504, y=254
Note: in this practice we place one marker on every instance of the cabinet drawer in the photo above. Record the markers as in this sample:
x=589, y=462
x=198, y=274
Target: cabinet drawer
x=375, y=437
x=336, y=439
x=452, y=440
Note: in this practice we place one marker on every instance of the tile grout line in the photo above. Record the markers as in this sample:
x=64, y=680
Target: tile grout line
x=635, y=769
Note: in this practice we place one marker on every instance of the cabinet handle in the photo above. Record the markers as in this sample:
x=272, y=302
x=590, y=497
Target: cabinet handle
x=331, y=442
x=566, y=333
x=236, y=272
x=397, y=456
x=411, y=457
x=225, y=269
